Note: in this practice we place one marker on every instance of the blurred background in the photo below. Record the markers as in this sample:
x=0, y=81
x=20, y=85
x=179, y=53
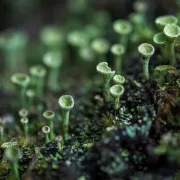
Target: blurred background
x=32, y=14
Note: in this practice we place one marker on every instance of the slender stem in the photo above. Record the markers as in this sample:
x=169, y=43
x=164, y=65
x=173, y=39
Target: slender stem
x=23, y=97
x=146, y=68
x=172, y=54
x=9, y=61
x=26, y=130
x=106, y=88
x=39, y=87
x=47, y=138
x=52, y=129
x=124, y=41
x=14, y=59
x=30, y=101
x=15, y=169
x=53, y=78
x=116, y=103
x=118, y=64
x=65, y=116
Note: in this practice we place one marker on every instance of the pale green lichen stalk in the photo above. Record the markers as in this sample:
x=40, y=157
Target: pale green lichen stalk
x=106, y=72
x=14, y=48
x=116, y=92
x=162, y=21
x=30, y=93
x=160, y=40
x=171, y=31
x=123, y=28
x=66, y=103
x=53, y=61
x=52, y=37
x=25, y=122
x=21, y=81
x=101, y=47
x=118, y=51
x=49, y=115
x=13, y=154
x=146, y=51
x=38, y=73
x=46, y=130
x=118, y=79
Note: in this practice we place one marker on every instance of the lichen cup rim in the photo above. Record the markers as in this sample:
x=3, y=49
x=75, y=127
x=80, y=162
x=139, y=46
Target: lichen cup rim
x=146, y=49
x=117, y=90
x=66, y=102
x=104, y=69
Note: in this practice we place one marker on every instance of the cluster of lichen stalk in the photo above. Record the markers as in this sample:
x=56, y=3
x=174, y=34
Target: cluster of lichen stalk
x=30, y=87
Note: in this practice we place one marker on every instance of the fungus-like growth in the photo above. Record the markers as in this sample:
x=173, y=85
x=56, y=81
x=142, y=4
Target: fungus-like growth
x=30, y=93
x=118, y=79
x=116, y=92
x=102, y=19
x=171, y=31
x=77, y=39
x=140, y=6
x=123, y=28
x=53, y=61
x=66, y=103
x=49, y=115
x=21, y=81
x=146, y=51
x=14, y=46
x=13, y=154
x=38, y=73
x=52, y=37
x=93, y=31
x=162, y=21
x=87, y=54
x=106, y=72
x=118, y=51
x=23, y=112
x=159, y=38
x=25, y=121
x=100, y=46
x=46, y=130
